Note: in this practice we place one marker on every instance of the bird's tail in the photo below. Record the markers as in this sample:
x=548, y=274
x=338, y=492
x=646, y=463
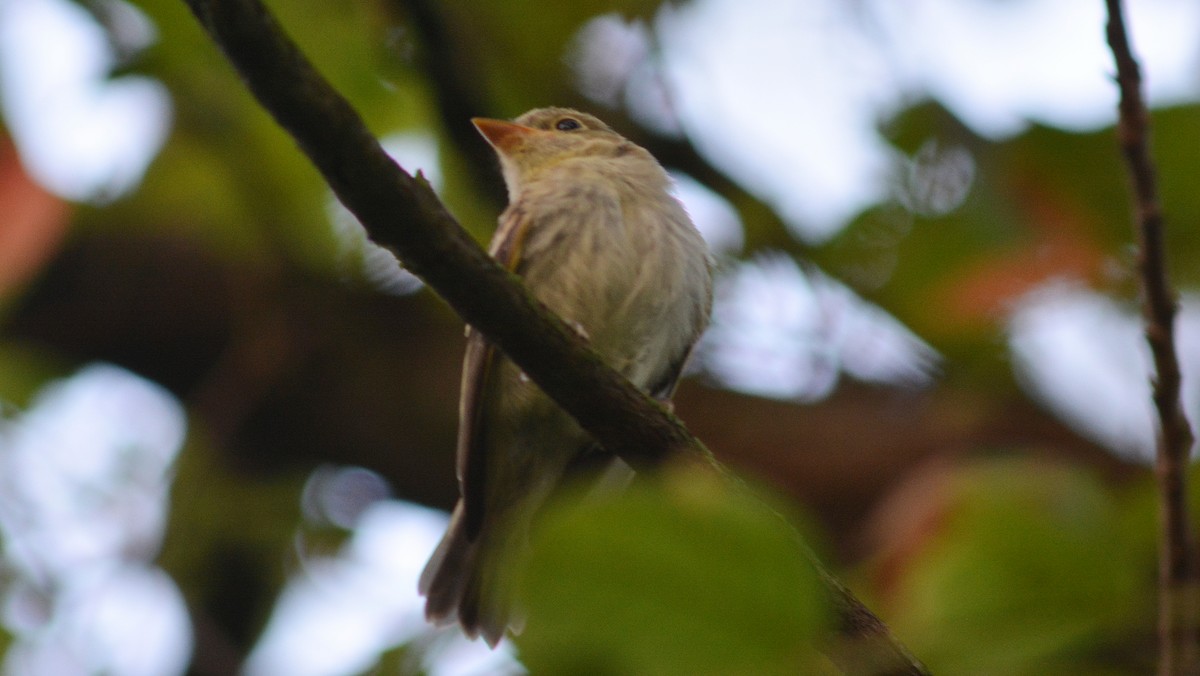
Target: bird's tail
x=463, y=582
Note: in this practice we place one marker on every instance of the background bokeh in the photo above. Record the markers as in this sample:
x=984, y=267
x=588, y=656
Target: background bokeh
x=227, y=420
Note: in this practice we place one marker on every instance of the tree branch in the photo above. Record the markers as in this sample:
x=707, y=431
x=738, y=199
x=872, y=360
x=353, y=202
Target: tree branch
x=403, y=214
x=1177, y=560
x=865, y=645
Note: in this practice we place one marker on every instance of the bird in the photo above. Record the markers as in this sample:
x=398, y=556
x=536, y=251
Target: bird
x=593, y=229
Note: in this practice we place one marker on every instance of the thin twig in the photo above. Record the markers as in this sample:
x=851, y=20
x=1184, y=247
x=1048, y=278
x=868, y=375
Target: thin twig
x=403, y=214
x=1177, y=559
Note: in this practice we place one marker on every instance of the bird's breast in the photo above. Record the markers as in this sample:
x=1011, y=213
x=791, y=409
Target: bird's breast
x=627, y=268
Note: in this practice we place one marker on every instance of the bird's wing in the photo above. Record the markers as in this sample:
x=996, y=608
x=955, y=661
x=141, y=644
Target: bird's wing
x=479, y=377
x=662, y=387
x=472, y=467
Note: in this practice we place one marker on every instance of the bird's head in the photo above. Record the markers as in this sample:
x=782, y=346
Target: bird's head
x=544, y=137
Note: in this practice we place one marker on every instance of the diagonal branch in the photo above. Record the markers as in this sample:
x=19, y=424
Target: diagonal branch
x=1177, y=559
x=403, y=214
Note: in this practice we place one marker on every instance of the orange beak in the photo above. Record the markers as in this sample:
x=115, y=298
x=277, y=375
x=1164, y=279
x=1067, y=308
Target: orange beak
x=504, y=136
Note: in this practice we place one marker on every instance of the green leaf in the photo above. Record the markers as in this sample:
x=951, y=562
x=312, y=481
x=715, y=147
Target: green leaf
x=1028, y=569
x=683, y=577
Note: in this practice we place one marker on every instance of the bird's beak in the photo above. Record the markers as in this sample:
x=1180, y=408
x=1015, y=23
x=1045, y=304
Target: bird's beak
x=504, y=136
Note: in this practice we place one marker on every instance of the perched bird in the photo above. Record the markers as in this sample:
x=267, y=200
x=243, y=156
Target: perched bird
x=597, y=237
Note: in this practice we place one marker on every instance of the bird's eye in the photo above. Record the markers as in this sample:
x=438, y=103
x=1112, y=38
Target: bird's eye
x=568, y=124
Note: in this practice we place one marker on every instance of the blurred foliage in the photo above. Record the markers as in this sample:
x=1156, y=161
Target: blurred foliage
x=523, y=44
x=23, y=370
x=976, y=223
x=687, y=577
x=1015, y=566
x=1026, y=570
x=227, y=535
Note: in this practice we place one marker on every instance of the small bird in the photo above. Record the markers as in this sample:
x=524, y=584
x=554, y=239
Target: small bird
x=598, y=238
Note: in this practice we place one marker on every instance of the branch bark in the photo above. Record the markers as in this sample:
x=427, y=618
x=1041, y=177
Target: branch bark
x=403, y=214
x=1178, y=581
